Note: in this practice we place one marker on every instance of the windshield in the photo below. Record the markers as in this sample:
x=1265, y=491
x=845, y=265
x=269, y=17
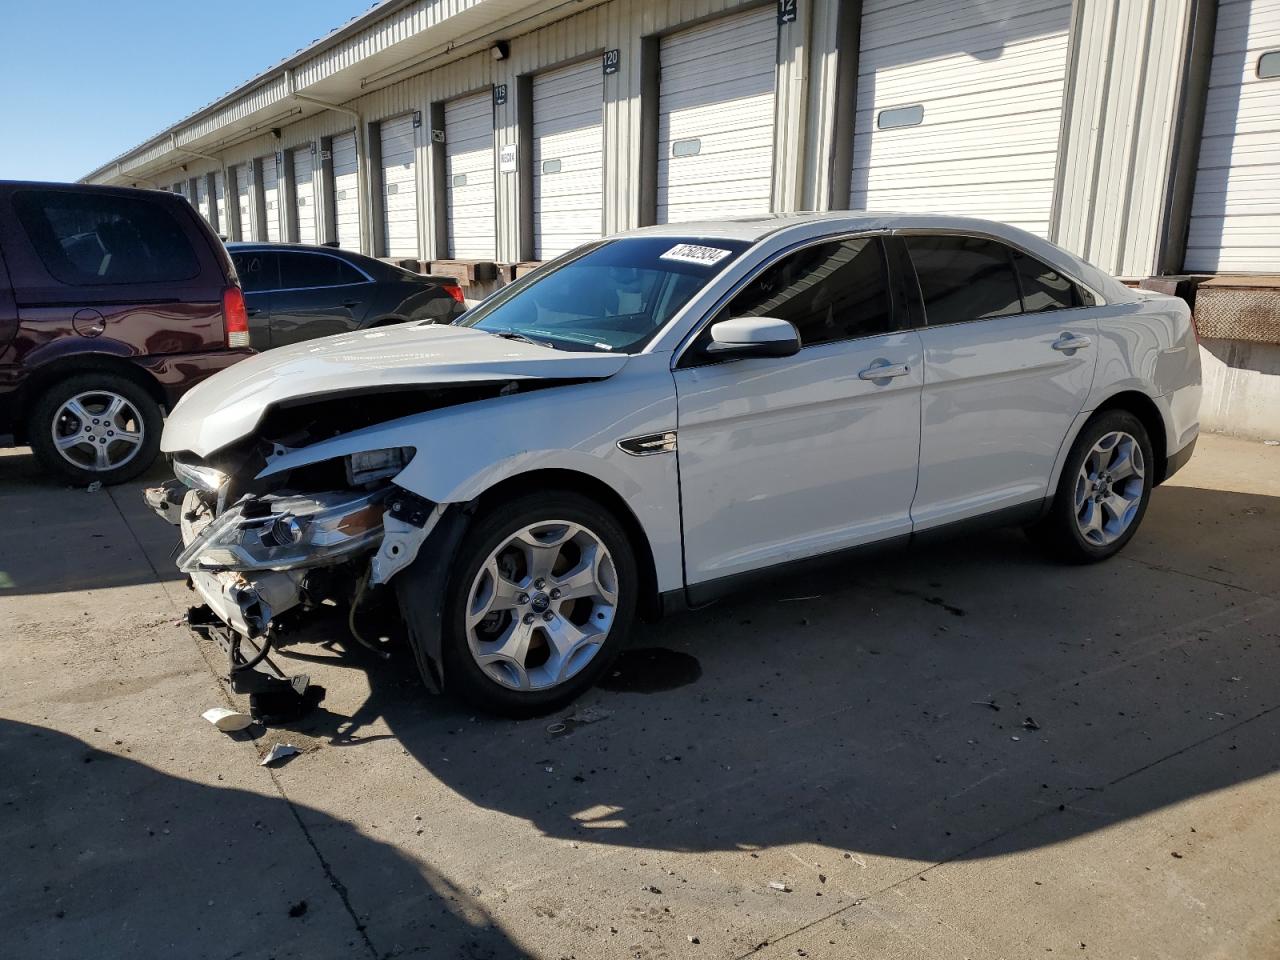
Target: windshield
x=612, y=296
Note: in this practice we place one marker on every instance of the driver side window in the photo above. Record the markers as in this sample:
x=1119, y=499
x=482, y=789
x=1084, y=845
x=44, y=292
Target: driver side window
x=830, y=291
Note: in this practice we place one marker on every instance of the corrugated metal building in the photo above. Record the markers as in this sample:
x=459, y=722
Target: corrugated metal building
x=475, y=136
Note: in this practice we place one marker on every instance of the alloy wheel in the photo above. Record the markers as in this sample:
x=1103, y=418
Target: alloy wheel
x=1109, y=488
x=98, y=430
x=541, y=605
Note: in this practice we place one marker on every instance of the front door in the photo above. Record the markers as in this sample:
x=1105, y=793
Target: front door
x=1009, y=359
x=787, y=458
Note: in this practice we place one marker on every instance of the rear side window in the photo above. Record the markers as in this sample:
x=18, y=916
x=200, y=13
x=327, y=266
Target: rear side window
x=257, y=271
x=302, y=270
x=95, y=239
x=1043, y=288
x=831, y=291
x=964, y=278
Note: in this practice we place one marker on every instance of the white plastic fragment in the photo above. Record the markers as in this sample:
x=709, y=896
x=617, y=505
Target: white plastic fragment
x=1272, y=443
x=93, y=487
x=278, y=752
x=779, y=885
x=228, y=721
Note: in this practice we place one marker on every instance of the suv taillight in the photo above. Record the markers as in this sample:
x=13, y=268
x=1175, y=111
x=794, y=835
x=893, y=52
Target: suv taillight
x=235, y=318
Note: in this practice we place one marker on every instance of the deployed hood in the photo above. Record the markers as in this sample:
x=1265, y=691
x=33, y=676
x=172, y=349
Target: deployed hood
x=230, y=404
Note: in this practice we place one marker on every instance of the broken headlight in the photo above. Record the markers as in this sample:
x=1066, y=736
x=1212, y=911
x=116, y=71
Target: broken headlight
x=199, y=477
x=370, y=465
x=285, y=532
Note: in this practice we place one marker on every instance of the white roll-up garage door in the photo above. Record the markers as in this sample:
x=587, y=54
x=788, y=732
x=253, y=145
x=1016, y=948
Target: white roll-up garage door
x=202, y=196
x=568, y=158
x=1235, y=214
x=220, y=204
x=304, y=193
x=399, y=187
x=471, y=196
x=715, y=118
x=959, y=108
x=346, y=194
x=244, y=201
x=271, y=196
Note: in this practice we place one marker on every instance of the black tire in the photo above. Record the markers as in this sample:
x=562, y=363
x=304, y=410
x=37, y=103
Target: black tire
x=45, y=418
x=463, y=676
x=1060, y=530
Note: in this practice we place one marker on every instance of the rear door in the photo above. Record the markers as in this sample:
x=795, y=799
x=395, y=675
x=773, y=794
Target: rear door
x=259, y=273
x=1009, y=357
x=319, y=295
x=787, y=458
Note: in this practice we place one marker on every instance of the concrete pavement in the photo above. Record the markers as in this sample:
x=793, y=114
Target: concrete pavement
x=965, y=752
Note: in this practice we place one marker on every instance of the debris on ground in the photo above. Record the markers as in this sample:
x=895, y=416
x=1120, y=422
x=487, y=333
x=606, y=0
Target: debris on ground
x=779, y=885
x=228, y=721
x=1272, y=443
x=986, y=703
x=583, y=717
x=1030, y=724
x=93, y=487
x=297, y=909
x=278, y=752
x=693, y=939
x=652, y=889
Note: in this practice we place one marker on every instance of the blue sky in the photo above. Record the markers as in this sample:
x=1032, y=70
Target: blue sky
x=84, y=81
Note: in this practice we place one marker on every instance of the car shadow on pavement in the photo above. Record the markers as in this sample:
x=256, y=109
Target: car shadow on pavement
x=107, y=857
x=965, y=701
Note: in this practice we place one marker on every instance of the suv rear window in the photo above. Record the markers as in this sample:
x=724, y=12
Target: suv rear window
x=95, y=239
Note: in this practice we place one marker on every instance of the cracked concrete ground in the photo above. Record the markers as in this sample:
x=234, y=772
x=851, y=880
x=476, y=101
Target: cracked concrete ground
x=837, y=737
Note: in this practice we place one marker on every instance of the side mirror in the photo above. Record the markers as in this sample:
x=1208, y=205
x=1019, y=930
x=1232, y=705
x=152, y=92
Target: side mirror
x=753, y=337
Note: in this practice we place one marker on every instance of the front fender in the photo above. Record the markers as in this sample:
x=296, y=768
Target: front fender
x=464, y=450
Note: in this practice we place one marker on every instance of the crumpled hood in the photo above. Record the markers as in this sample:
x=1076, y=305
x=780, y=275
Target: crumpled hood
x=230, y=404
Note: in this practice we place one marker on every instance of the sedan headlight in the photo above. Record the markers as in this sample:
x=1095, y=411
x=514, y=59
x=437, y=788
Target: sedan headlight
x=285, y=532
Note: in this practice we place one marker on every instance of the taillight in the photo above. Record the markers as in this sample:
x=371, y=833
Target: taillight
x=235, y=318
x=453, y=290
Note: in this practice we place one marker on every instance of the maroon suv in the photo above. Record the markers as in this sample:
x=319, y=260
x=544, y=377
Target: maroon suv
x=113, y=302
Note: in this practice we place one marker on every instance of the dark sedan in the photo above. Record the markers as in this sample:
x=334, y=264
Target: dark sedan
x=296, y=292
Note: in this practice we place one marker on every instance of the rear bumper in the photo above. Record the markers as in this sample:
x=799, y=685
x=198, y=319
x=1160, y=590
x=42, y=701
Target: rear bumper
x=179, y=372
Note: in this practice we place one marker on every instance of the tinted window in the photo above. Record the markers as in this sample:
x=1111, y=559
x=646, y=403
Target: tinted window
x=1043, y=288
x=963, y=278
x=92, y=239
x=315, y=270
x=832, y=291
x=612, y=296
x=257, y=271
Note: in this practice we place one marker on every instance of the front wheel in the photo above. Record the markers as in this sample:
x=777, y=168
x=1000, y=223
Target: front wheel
x=542, y=599
x=1103, y=492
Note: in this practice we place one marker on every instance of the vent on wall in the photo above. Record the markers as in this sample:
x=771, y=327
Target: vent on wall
x=911, y=116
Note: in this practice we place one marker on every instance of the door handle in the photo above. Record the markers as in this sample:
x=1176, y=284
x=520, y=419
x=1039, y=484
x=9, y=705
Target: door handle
x=252, y=312
x=883, y=370
x=1070, y=341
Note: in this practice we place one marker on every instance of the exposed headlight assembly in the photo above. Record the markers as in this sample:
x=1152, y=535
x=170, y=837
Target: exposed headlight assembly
x=286, y=532
x=370, y=465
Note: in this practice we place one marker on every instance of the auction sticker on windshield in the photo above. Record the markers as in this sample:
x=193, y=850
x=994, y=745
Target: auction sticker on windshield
x=693, y=253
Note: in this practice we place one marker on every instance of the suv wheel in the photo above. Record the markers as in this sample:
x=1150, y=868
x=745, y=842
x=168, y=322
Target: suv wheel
x=1103, y=492
x=95, y=426
x=542, y=599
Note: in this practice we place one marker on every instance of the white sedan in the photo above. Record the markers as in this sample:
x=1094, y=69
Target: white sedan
x=658, y=418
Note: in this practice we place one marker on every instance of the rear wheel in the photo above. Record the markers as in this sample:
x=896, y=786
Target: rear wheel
x=542, y=600
x=95, y=426
x=1103, y=493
